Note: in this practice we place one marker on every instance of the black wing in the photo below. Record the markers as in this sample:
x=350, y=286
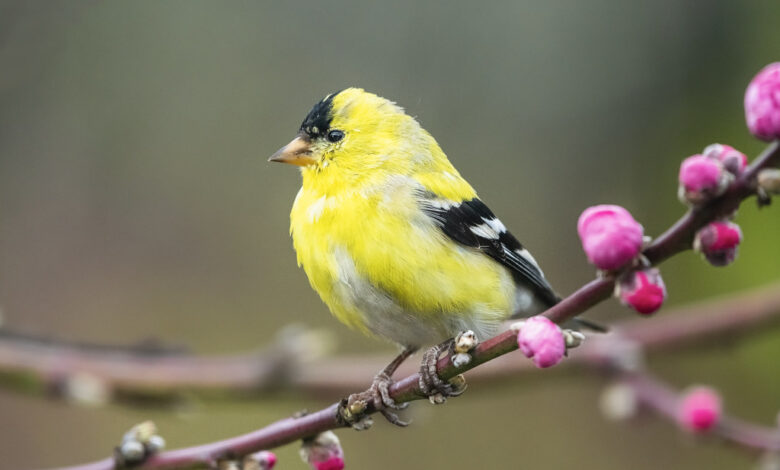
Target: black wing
x=473, y=224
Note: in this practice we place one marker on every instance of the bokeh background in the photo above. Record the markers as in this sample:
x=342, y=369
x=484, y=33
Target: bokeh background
x=136, y=200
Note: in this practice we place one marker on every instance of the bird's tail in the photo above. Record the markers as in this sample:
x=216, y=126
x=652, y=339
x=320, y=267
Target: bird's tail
x=577, y=323
x=585, y=324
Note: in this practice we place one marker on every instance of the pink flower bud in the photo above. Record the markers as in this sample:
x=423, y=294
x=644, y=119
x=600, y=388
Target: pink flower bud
x=332, y=463
x=699, y=409
x=701, y=179
x=718, y=242
x=267, y=460
x=323, y=452
x=610, y=237
x=542, y=340
x=643, y=290
x=762, y=103
x=263, y=460
x=732, y=159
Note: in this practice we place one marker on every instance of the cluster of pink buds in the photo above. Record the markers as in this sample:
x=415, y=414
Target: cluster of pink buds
x=703, y=177
x=613, y=240
x=708, y=175
x=699, y=409
x=323, y=452
x=762, y=103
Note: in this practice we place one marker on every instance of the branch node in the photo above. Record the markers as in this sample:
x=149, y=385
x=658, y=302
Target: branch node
x=138, y=444
x=352, y=412
x=464, y=343
x=572, y=338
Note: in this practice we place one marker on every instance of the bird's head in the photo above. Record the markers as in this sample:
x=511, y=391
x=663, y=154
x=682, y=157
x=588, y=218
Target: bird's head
x=353, y=134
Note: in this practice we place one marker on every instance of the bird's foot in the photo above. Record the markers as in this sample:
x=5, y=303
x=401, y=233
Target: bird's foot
x=431, y=385
x=353, y=409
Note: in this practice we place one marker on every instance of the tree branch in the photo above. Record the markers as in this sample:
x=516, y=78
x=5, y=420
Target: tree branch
x=674, y=240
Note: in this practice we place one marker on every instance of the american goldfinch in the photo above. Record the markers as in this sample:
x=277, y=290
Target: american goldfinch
x=395, y=241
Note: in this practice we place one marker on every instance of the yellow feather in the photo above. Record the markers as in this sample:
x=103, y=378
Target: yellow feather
x=374, y=257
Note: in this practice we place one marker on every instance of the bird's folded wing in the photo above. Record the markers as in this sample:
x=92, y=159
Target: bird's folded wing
x=472, y=223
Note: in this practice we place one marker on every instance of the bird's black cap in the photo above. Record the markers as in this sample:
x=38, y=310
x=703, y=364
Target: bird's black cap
x=317, y=122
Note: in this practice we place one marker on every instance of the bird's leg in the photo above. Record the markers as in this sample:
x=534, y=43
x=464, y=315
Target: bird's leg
x=384, y=379
x=431, y=385
x=379, y=394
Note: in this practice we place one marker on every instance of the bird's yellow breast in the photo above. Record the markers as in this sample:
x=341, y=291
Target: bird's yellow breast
x=382, y=266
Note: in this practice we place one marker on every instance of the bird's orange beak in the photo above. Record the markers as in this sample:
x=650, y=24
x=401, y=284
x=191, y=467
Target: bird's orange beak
x=297, y=152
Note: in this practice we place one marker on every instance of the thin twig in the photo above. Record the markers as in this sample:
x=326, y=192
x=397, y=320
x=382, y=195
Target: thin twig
x=143, y=375
x=658, y=396
x=131, y=372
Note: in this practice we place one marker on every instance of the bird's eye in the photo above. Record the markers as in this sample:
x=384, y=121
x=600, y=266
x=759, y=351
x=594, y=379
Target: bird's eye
x=335, y=135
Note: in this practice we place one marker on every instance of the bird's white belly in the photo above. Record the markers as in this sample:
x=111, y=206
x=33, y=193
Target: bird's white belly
x=384, y=317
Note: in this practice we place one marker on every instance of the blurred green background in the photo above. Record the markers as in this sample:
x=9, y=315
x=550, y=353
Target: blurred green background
x=136, y=200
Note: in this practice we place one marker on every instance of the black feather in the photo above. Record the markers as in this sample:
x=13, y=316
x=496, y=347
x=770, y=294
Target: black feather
x=457, y=221
x=317, y=122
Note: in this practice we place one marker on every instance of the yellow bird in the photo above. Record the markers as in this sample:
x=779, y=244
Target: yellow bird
x=395, y=241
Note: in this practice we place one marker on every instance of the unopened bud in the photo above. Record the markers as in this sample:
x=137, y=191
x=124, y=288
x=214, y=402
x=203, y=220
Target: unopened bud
x=642, y=290
x=323, y=452
x=541, y=340
x=357, y=407
x=458, y=383
x=573, y=338
x=700, y=409
x=732, y=159
x=132, y=451
x=769, y=180
x=718, y=242
x=610, y=236
x=618, y=402
x=155, y=444
x=86, y=389
x=762, y=103
x=460, y=359
x=465, y=341
x=141, y=432
x=701, y=179
x=263, y=460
